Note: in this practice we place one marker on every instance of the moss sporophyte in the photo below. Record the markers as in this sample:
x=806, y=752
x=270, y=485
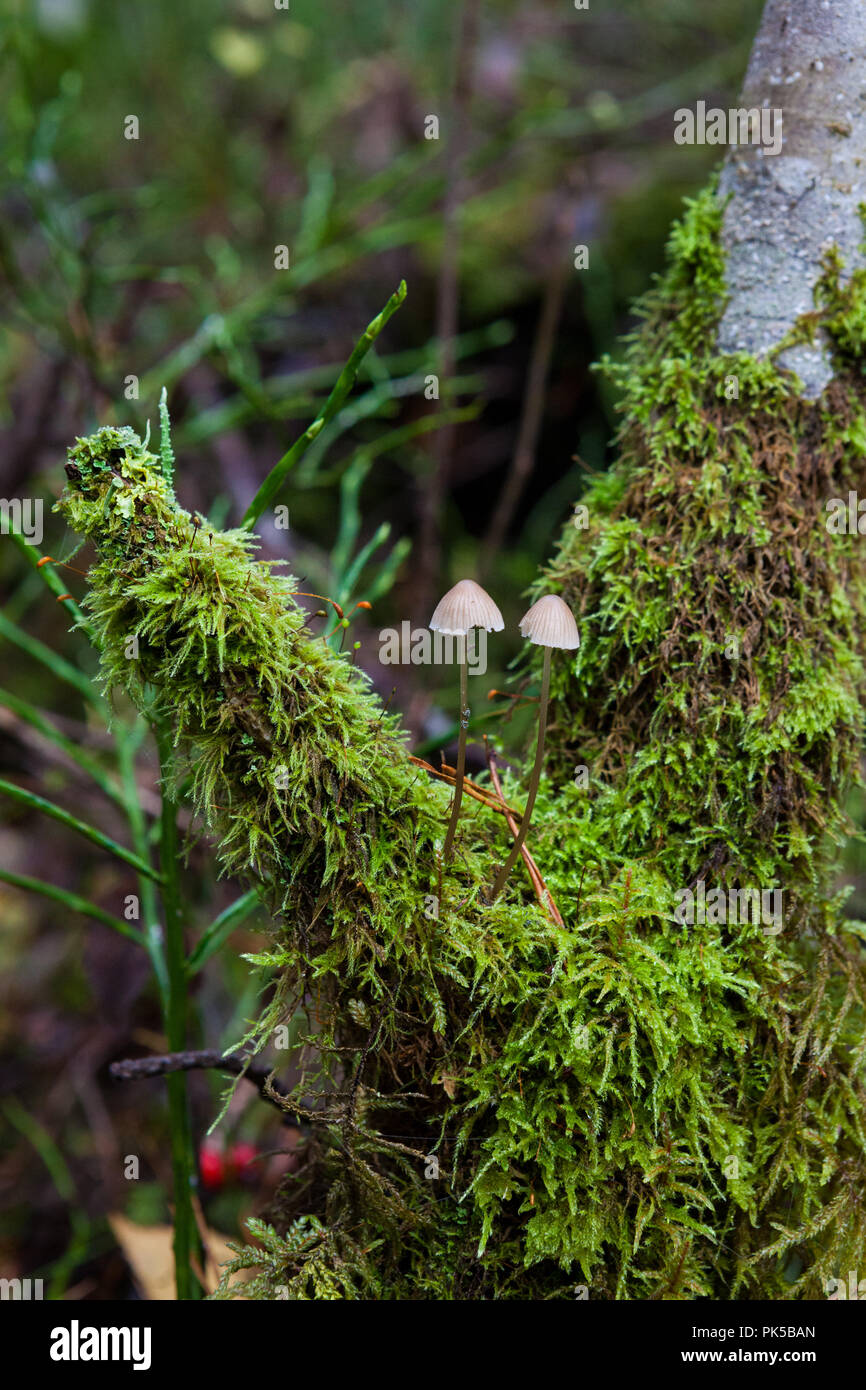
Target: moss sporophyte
x=661, y=1110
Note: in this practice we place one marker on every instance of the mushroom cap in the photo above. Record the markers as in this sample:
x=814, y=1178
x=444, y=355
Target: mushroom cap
x=550, y=623
x=465, y=606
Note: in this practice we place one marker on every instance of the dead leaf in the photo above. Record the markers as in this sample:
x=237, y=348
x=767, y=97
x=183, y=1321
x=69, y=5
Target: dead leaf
x=149, y=1254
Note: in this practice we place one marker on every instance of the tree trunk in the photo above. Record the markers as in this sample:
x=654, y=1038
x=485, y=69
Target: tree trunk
x=787, y=209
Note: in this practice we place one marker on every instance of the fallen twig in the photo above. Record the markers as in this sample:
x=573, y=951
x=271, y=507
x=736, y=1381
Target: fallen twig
x=447, y=774
x=207, y=1059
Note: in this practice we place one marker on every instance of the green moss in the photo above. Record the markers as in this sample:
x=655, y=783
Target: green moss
x=717, y=698
x=654, y=1109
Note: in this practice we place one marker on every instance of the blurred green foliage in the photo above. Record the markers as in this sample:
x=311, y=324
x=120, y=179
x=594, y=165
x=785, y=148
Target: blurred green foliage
x=258, y=128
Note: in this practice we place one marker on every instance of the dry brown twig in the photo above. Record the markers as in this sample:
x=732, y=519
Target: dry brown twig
x=448, y=774
x=498, y=804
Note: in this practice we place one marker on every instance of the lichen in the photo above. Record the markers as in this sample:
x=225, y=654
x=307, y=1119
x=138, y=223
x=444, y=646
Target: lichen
x=647, y=1108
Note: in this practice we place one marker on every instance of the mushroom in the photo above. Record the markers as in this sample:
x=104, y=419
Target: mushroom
x=549, y=623
x=462, y=608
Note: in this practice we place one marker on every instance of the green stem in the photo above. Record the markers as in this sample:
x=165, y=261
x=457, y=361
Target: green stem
x=220, y=929
x=182, y=1152
x=28, y=714
x=96, y=837
x=73, y=901
x=345, y=381
x=57, y=664
x=50, y=578
x=534, y=781
x=151, y=933
x=461, y=754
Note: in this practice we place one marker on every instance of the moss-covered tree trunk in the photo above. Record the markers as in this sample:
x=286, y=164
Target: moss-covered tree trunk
x=783, y=210
x=663, y=1097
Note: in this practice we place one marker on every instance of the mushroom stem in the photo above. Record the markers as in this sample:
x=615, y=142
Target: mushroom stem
x=533, y=782
x=461, y=754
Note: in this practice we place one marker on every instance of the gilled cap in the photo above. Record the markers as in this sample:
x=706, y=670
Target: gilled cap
x=465, y=606
x=550, y=623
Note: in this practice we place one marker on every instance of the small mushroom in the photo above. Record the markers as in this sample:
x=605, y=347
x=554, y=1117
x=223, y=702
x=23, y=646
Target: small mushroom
x=462, y=608
x=549, y=623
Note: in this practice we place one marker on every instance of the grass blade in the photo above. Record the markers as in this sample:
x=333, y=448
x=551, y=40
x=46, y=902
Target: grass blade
x=54, y=584
x=29, y=714
x=345, y=381
x=388, y=572
x=350, y=512
x=370, y=404
x=220, y=929
x=47, y=656
x=96, y=837
x=73, y=901
x=346, y=583
x=315, y=207
x=37, y=1135
x=289, y=393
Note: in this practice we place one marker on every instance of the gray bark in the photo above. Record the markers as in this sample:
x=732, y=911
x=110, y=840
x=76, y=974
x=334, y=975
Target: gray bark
x=786, y=209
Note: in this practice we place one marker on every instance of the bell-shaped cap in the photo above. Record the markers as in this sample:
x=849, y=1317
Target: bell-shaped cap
x=465, y=606
x=550, y=623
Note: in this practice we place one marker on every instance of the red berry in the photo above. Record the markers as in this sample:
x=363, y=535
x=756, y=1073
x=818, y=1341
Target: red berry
x=211, y=1166
x=241, y=1155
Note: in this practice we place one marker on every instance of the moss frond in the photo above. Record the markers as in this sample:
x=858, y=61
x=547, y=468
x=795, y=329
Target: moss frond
x=656, y=1109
